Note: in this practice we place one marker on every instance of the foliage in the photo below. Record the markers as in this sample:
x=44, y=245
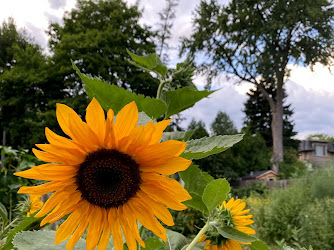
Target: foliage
x=199, y=128
x=223, y=125
x=256, y=40
x=259, y=118
x=299, y=215
x=95, y=35
x=291, y=167
x=12, y=161
x=254, y=189
x=320, y=137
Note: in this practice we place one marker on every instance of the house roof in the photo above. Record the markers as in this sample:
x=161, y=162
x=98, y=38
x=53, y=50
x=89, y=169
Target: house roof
x=256, y=174
x=308, y=145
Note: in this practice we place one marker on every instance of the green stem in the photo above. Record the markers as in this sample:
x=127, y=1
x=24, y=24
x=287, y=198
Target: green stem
x=200, y=233
x=162, y=84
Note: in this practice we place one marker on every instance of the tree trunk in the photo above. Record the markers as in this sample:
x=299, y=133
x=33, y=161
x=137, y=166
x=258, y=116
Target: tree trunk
x=277, y=134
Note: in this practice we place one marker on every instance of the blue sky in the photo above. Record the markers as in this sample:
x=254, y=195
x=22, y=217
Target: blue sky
x=311, y=94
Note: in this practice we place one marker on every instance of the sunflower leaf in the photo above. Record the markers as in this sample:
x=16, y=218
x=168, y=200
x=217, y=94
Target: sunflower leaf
x=178, y=135
x=183, y=98
x=259, y=245
x=28, y=223
x=175, y=240
x=153, y=244
x=234, y=234
x=143, y=119
x=195, y=182
x=27, y=241
x=115, y=98
x=150, y=63
x=215, y=193
x=200, y=148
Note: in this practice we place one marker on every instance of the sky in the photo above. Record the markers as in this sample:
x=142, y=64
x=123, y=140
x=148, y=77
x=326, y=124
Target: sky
x=310, y=94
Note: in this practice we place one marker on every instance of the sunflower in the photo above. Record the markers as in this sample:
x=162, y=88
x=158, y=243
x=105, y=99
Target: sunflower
x=108, y=176
x=234, y=216
x=35, y=204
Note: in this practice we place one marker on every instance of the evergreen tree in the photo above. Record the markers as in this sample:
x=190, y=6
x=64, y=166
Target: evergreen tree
x=199, y=128
x=259, y=118
x=223, y=125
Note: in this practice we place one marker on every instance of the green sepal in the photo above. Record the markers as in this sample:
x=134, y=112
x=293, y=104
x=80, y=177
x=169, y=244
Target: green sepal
x=115, y=98
x=153, y=244
x=203, y=147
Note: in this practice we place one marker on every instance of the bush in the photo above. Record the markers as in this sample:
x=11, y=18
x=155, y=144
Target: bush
x=321, y=182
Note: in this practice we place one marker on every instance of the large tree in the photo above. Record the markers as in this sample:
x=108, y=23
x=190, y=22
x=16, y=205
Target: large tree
x=256, y=40
x=259, y=118
x=223, y=125
x=95, y=35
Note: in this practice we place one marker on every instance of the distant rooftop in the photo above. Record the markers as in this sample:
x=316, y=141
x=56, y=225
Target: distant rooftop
x=308, y=145
x=255, y=174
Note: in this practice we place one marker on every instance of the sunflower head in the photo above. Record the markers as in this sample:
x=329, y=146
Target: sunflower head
x=108, y=174
x=230, y=214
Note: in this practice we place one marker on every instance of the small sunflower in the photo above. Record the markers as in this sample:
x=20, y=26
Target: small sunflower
x=108, y=176
x=234, y=216
x=35, y=204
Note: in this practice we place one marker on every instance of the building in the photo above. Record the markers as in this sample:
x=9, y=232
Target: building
x=316, y=152
x=267, y=175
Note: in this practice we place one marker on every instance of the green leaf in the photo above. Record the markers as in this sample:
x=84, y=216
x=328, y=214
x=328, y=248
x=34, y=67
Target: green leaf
x=115, y=98
x=183, y=98
x=28, y=223
x=41, y=240
x=200, y=148
x=180, y=136
x=195, y=183
x=175, y=240
x=153, y=244
x=150, y=63
x=234, y=234
x=143, y=119
x=3, y=214
x=215, y=193
x=259, y=245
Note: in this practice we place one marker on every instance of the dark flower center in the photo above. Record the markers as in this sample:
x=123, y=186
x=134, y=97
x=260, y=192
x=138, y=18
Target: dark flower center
x=108, y=178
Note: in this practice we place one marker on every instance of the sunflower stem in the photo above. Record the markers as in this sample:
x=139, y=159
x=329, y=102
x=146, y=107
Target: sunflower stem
x=200, y=233
x=162, y=84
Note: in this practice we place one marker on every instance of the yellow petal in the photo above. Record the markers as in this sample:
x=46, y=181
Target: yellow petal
x=146, y=217
x=80, y=230
x=83, y=134
x=115, y=228
x=47, y=157
x=94, y=228
x=126, y=120
x=60, y=141
x=109, y=139
x=71, y=223
x=130, y=240
x=46, y=188
x=173, y=187
x=56, y=198
x=159, y=129
x=167, y=167
x=132, y=223
x=63, y=116
x=159, y=210
x=165, y=149
x=95, y=119
x=162, y=196
x=103, y=243
x=66, y=155
x=49, y=172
